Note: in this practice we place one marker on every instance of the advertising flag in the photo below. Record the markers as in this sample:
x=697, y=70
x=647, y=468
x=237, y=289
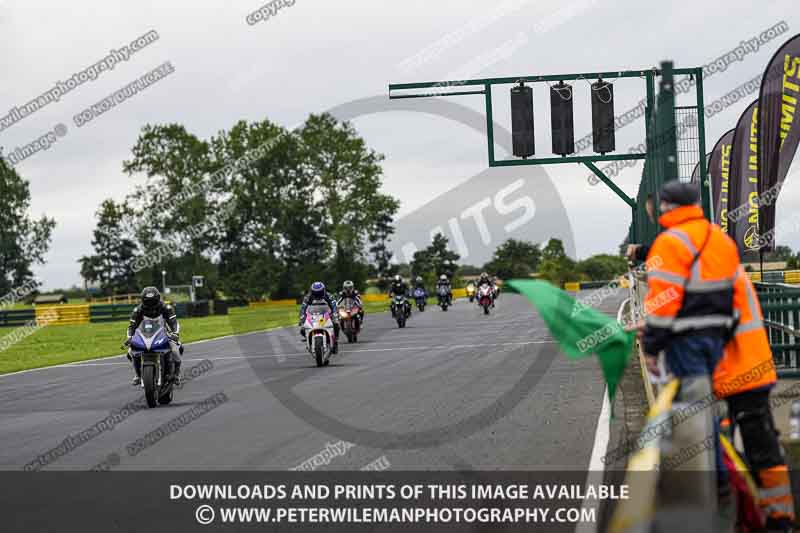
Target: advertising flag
x=743, y=183
x=719, y=167
x=779, y=128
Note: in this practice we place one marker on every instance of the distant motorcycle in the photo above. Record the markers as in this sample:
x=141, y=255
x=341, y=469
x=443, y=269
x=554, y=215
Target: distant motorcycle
x=444, y=297
x=471, y=291
x=349, y=318
x=420, y=297
x=485, y=297
x=320, y=335
x=401, y=310
x=150, y=342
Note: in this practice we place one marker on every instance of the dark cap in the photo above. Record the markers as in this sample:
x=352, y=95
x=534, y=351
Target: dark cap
x=678, y=193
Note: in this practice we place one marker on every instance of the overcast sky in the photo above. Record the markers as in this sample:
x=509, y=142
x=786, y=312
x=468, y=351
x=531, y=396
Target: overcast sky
x=315, y=55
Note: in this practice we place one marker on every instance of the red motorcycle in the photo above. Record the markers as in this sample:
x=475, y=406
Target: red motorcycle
x=485, y=297
x=350, y=319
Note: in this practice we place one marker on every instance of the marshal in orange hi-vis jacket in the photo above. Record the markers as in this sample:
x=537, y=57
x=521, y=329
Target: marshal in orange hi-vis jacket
x=747, y=362
x=697, y=266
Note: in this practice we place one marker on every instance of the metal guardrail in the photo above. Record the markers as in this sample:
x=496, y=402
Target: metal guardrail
x=780, y=303
x=652, y=489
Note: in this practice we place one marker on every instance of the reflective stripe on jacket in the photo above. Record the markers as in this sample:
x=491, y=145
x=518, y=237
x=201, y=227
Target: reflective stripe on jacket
x=747, y=363
x=687, y=296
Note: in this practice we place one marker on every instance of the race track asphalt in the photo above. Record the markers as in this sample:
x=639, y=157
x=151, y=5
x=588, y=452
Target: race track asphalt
x=453, y=390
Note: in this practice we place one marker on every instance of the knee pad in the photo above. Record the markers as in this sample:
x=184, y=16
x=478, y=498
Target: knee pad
x=759, y=436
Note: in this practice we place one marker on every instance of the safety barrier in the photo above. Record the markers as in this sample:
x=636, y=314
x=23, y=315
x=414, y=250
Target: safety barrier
x=661, y=448
x=271, y=303
x=780, y=303
x=16, y=317
x=777, y=276
x=575, y=286
x=63, y=315
x=110, y=312
x=636, y=512
x=374, y=297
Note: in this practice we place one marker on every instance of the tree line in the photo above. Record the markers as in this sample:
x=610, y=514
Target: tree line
x=307, y=207
x=261, y=211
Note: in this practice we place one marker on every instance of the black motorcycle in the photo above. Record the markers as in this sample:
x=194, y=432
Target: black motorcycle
x=444, y=297
x=401, y=310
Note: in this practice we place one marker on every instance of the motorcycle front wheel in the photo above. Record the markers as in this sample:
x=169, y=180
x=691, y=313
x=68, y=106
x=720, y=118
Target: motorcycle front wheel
x=149, y=380
x=319, y=351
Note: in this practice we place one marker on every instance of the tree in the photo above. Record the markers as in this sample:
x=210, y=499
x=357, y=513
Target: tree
x=382, y=256
x=434, y=260
x=514, y=259
x=554, y=249
x=263, y=210
x=346, y=177
x=111, y=266
x=602, y=267
x=555, y=266
x=23, y=241
x=780, y=253
x=469, y=270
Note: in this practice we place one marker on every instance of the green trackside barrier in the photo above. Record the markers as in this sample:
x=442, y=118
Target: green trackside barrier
x=15, y=318
x=110, y=312
x=781, y=306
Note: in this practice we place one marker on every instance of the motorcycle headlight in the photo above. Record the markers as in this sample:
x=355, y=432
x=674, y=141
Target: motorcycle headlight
x=343, y=313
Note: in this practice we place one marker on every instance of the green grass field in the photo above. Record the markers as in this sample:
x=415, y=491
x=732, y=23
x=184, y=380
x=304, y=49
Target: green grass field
x=55, y=345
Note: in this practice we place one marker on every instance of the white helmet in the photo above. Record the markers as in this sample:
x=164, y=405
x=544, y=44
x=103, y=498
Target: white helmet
x=443, y=277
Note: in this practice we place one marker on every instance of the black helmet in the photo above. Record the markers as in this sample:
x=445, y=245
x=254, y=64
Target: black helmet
x=150, y=298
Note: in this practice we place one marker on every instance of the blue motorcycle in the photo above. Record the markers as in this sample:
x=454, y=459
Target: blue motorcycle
x=420, y=296
x=151, y=343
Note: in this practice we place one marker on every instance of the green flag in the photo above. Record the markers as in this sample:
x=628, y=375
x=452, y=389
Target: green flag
x=580, y=330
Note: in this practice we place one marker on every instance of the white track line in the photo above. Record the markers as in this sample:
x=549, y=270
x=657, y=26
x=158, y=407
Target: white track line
x=596, y=465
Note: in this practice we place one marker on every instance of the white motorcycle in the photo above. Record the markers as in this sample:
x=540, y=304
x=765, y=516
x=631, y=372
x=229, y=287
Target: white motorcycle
x=320, y=336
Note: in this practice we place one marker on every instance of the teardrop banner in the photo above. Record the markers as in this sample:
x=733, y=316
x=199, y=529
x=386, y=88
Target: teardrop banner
x=779, y=128
x=719, y=167
x=743, y=190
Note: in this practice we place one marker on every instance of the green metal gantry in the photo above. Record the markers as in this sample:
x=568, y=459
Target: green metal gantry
x=661, y=160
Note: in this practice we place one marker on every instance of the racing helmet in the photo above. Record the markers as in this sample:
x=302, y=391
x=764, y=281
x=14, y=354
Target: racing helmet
x=150, y=298
x=397, y=278
x=317, y=289
x=443, y=277
x=348, y=286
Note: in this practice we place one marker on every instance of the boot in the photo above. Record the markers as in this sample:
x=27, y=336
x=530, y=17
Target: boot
x=137, y=367
x=176, y=376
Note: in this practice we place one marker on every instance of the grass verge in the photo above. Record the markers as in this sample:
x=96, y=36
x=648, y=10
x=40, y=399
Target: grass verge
x=54, y=345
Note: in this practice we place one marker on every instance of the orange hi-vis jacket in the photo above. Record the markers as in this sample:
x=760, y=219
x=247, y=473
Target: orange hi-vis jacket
x=747, y=363
x=691, y=269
